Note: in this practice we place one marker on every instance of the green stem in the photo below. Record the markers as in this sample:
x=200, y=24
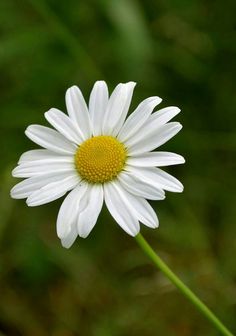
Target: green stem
x=181, y=286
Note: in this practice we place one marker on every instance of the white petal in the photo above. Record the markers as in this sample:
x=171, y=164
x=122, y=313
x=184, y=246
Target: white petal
x=69, y=210
x=117, y=108
x=78, y=111
x=146, y=214
x=152, y=159
x=42, y=167
x=152, y=139
x=157, y=177
x=136, y=120
x=118, y=206
x=97, y=106
x=138, y=206
x=163, y=115
x=50, y=139
x=88, y=217
x=64, y=125
x=25, y=188
x=143, y=210
x=154, y=121
x=41, y=154
x=70, y=238
x=52, y=191
x=140, y=188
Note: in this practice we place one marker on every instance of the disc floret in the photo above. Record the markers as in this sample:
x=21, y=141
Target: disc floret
x=100, y=159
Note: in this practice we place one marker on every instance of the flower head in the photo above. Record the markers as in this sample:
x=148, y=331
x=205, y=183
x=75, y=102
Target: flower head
x=97, y=154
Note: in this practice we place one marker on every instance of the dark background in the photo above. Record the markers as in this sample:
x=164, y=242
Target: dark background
x=183, y=51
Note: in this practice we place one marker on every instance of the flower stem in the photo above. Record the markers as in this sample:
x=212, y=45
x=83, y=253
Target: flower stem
x=181, y=286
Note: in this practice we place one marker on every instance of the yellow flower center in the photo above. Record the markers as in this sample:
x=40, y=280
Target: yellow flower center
x=100, y=159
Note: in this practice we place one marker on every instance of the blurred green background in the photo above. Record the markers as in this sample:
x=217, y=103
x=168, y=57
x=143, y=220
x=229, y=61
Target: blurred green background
x=183, y=51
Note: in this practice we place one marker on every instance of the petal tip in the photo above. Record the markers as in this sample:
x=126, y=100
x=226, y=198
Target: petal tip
x=70, y=89
x=83, y=235
x=100, y=82
x=47, y=113
x=27, y=130
x=180, y=189
x=65, y=244
x=14, y=172
x=130, y=83
x=134, y=233
x=177, y=109
x=155, y=225
x=29, y=203
x=12, y=193
x=159, y=100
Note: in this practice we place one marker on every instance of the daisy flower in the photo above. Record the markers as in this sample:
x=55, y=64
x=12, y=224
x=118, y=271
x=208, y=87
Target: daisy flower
x=97, y=154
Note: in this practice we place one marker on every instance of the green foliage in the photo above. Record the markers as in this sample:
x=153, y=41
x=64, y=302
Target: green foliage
x=183, y=51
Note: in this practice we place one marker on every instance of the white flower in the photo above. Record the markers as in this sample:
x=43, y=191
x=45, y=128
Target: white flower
x=99, y=155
